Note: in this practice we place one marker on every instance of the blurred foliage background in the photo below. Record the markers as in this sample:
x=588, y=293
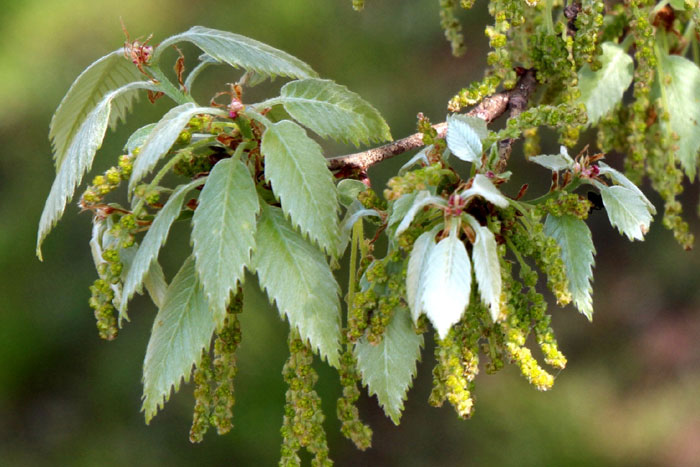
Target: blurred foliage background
x=628, y=397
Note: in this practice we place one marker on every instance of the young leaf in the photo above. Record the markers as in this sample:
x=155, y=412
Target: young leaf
x=574, y=240
x=399, y=208
x=620, y=179
x=626, y=210
x=482, y=186
x=553, y=162
x=163, y=136
x=447, y=283
x=417, y=264
x=152, y=242
x=487, y=268
x=138, y=137
x=423, y=199
x=106, y=74
x=296, y=276
x=78, y=160
x=464, y=136
x=241, y=51
x=602, y=90
x=300, y=177
x=349, y=189
x=182, y=328
x=332, y=110
x=155, y=284
x=421, y=156
x=388, y=368
x=223, y=231
x=680, y=87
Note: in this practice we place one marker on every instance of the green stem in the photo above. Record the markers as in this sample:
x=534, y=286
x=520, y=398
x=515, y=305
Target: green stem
x=548, y=16
x=357, y=235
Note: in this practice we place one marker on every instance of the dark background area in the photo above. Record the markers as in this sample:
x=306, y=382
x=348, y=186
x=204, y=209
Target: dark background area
x=628, y=397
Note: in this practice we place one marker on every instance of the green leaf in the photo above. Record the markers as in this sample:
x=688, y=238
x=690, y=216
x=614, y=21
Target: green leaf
x=155, y=284
x=138, y=137
x=447, y=283
x=420, y=157
x=108, y=73
x=223, y=231
x=554, y=162
x=388, y=368
x=182, y=328
x=620, y=179
x=152, y=242
x=423, y=199
x=482, y=186
x=602, y=90
x=576, y=245
x=464, y=136
x=349, y=190
x=487, y=268
x=399, y=208
x=163, y=136
x=417, y=264
x=626, y=210
x=332, y=110
x=297, y=278
x=300, y=177
x=240, y=51
x=681, y=88
x=78, y=160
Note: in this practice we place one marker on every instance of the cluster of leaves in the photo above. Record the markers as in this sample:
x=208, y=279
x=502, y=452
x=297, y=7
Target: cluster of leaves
x=455, y=252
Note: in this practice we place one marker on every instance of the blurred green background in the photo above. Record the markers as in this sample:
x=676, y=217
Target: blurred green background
x=628, y=397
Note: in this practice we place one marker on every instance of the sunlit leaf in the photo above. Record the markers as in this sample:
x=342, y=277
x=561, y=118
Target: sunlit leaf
x=153, y=241
x=417, y=264
x=297, y=278
x=223, y=231
x=626, y=210
x=681, y=90
x=332, y=110
x=78, y=160
x=106, y=74
x=482, y=186
x=487, y=268
x=602, y=90
x=182, y=328
x=240, y=51
x=464, y=136
x=447, y=282
x=576, y=245
x=423, y=199
x=620, y=179
x=388, y=368
x=163, y=136
x=297, y=170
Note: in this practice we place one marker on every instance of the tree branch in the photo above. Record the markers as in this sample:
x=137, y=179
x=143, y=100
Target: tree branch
x=489, y=109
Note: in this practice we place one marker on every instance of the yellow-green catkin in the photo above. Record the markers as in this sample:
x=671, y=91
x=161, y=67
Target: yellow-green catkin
x=203, y=398
x=451, y=26
x=348, y=415
x=522, y=356
x=225, y=367
x=107, y=182
x=302, y=425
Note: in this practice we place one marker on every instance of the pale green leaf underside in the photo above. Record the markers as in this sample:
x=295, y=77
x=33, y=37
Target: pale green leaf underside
x=241, y=51
x=446, y=284
x=297, y=170
x=223, y=232
x=417, y=263
x=388, y=368
x=464, y=135
x=482, y=186
x=602, y=90
x=182, y=328
x=138, y=137
x=163, y=136
x=296, y=276
x=331, y=110
x=577, y=250
x=620, y=179
x=78, y=160
x=106, y=74
x=399, y=208
x=682, y=90
x=553, y=162
x=153, y=241
x=487, y=269
x=626, y=211
x=423, y=199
